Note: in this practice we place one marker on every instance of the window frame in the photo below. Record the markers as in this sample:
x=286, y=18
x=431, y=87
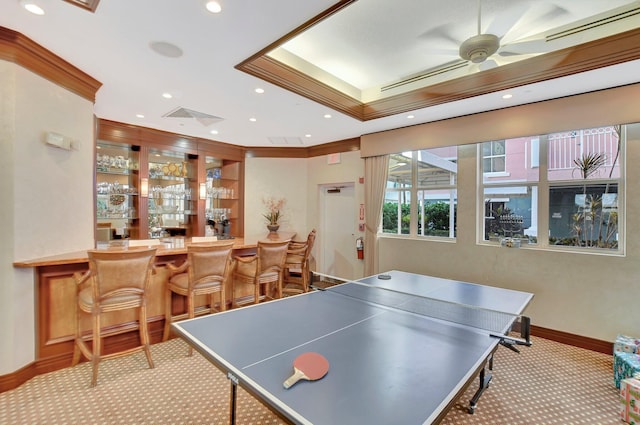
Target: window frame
x=416, y=201
x=492, y=156
x=544, y=187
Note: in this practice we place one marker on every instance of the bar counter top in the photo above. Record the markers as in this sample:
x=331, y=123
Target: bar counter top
x=167, y=246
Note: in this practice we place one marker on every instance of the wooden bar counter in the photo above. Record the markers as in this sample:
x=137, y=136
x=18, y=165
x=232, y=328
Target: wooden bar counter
x=56, y=299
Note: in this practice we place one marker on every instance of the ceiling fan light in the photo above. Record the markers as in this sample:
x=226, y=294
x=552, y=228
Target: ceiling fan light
x=479, y=47
x=478, y=56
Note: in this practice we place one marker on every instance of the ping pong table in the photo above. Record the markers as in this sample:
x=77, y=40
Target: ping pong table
x=389, y=362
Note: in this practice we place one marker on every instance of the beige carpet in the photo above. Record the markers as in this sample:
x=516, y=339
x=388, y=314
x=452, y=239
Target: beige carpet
x=548, y=383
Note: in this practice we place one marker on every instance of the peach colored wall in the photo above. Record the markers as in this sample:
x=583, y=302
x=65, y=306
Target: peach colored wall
x=580, y=293
x=47, y=194
x=299, y=181
x=278, y=178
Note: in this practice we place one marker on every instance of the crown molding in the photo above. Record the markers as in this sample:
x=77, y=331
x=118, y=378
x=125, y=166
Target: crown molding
x=15, y=47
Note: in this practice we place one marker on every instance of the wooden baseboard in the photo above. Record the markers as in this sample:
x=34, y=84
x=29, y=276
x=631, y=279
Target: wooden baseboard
x=17, y=378
x=587, y=343
x=50, y=364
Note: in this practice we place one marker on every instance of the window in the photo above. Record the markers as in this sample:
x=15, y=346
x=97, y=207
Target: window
x=493, y=156
x=583, y=176
x=421, y=193
x=510, y=188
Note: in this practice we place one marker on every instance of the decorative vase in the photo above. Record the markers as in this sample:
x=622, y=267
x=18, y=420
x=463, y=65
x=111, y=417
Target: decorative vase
x=273, y=227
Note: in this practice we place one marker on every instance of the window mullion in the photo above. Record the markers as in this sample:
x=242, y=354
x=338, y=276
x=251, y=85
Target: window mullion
x=413, y=211
x=543, y=192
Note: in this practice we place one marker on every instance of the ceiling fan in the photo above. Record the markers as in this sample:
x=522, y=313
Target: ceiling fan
x=481, y=48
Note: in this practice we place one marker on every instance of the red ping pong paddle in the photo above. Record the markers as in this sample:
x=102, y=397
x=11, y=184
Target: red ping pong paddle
x=309, y=366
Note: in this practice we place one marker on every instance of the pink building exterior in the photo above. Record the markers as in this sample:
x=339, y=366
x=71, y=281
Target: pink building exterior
x=522, y=161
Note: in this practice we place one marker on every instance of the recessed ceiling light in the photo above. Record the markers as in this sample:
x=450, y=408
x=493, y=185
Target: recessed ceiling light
x=167, y=95
x=213, y=7
x=139, y=115
x=166, y=49
x=507, y=96
x=259, y=90
x=307, y=135
x=327, y=115
x=32, y=7
x=214, y=132
x=410, y=117
x=252, y=119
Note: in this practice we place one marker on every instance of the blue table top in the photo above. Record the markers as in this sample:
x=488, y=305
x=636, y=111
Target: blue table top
x=386, y=365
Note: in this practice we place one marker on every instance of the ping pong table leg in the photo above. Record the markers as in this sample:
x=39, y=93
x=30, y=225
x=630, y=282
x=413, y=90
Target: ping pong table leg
x=485, y=378
x=232, y=400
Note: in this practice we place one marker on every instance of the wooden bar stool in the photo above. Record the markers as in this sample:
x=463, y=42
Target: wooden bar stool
x=296, y=266
x=263, y=269
x=116, y=280
x=206, y=272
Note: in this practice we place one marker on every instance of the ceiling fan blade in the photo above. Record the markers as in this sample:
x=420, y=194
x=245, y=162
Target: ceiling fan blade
x=442, y=32
x=554, y=12
x=528, y=47
x=537, y=20
x=488, y=64
x=505, y=20
x=473, y=68
x=442, y=52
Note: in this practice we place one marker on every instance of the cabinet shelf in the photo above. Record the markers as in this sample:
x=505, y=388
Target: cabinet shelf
x=181, y=212
x=115, y=216
x=170, y=178
x=102, y=194
x=115, y=171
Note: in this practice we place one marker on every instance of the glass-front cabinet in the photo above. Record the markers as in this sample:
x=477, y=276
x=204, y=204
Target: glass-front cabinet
x=172, y=194
x=117, y=191
x=221, y=201
x=153, y=184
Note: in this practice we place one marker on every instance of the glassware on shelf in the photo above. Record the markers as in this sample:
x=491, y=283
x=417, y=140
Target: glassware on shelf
x=105, y=188
x=112, y=163
x=171, y=192
x=220, y=193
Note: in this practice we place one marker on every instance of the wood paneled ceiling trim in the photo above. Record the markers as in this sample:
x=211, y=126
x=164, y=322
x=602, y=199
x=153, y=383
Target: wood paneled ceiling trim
x=611, y=50
x=134, y=135
x=346, y=145
x=15, y=47
x=298, y=82
x=89, y=5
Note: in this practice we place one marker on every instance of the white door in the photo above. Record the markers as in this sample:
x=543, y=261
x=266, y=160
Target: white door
x=338, y=227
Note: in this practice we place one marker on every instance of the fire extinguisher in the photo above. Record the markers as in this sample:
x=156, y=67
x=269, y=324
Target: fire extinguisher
x=360, y=248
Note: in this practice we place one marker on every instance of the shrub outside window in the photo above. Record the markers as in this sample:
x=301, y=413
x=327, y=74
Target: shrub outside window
x=421, y=194
x=584, y=171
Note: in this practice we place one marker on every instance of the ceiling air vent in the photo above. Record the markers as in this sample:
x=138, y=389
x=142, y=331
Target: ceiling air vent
x=427, y=74
x=594, y=24
x=285, y=140
x=201, y=117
